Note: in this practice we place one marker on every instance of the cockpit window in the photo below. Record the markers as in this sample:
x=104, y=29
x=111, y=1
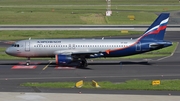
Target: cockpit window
x=15, y=45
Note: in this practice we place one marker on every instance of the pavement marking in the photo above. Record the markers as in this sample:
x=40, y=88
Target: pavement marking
x=47, y=65
x=23, y=67
x=59, y=67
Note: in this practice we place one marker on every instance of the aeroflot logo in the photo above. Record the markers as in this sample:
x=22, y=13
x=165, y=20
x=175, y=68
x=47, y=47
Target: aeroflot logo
x=156, y=29
x=161, y=26
x=48, y=41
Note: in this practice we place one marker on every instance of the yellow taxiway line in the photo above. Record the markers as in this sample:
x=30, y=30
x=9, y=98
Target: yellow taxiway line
x=47, y=65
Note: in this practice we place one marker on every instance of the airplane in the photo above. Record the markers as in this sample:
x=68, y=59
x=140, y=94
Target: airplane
x=67, y=51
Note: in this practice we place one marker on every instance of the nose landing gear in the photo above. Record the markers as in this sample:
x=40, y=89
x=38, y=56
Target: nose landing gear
x=28, y=61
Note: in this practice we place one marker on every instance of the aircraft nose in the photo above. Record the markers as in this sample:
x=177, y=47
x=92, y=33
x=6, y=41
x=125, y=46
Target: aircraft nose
x=8, y=51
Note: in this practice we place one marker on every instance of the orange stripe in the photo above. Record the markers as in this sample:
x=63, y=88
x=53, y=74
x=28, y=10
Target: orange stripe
x=56, y=59
x=121, y=48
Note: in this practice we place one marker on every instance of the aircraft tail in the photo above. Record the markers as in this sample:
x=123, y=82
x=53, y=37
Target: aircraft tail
x=157, y=29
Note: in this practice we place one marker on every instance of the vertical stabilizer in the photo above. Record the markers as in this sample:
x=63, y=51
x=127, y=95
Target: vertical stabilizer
x=157, y=29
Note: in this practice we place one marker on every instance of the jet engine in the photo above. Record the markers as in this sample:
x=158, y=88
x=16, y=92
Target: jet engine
x=63, y=59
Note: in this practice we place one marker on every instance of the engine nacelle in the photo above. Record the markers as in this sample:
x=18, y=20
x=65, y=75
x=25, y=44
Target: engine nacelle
x=63, y=59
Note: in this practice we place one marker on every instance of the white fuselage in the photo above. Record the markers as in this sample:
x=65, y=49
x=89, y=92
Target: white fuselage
x=50, y=47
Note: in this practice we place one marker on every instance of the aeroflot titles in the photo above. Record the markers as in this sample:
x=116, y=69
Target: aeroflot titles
x=48, y=41
x=60, y=42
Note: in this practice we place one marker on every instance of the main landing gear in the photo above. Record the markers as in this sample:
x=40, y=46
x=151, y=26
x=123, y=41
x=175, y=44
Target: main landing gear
x=83, y=63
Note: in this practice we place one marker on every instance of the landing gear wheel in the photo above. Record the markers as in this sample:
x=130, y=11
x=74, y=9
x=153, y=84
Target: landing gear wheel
x=84, y=63
x=28, y=61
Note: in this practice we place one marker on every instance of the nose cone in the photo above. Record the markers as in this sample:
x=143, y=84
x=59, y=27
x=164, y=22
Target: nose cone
x=8, y=51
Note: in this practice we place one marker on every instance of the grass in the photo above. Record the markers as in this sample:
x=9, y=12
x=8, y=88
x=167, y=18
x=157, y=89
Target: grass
x=19, y=35
x=84, y=2
x=62, y=12
x=170, y=85
x=70, y=16
x=60, y=16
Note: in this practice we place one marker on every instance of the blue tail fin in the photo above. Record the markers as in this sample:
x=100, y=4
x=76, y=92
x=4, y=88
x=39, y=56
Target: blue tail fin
x=157, y=29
